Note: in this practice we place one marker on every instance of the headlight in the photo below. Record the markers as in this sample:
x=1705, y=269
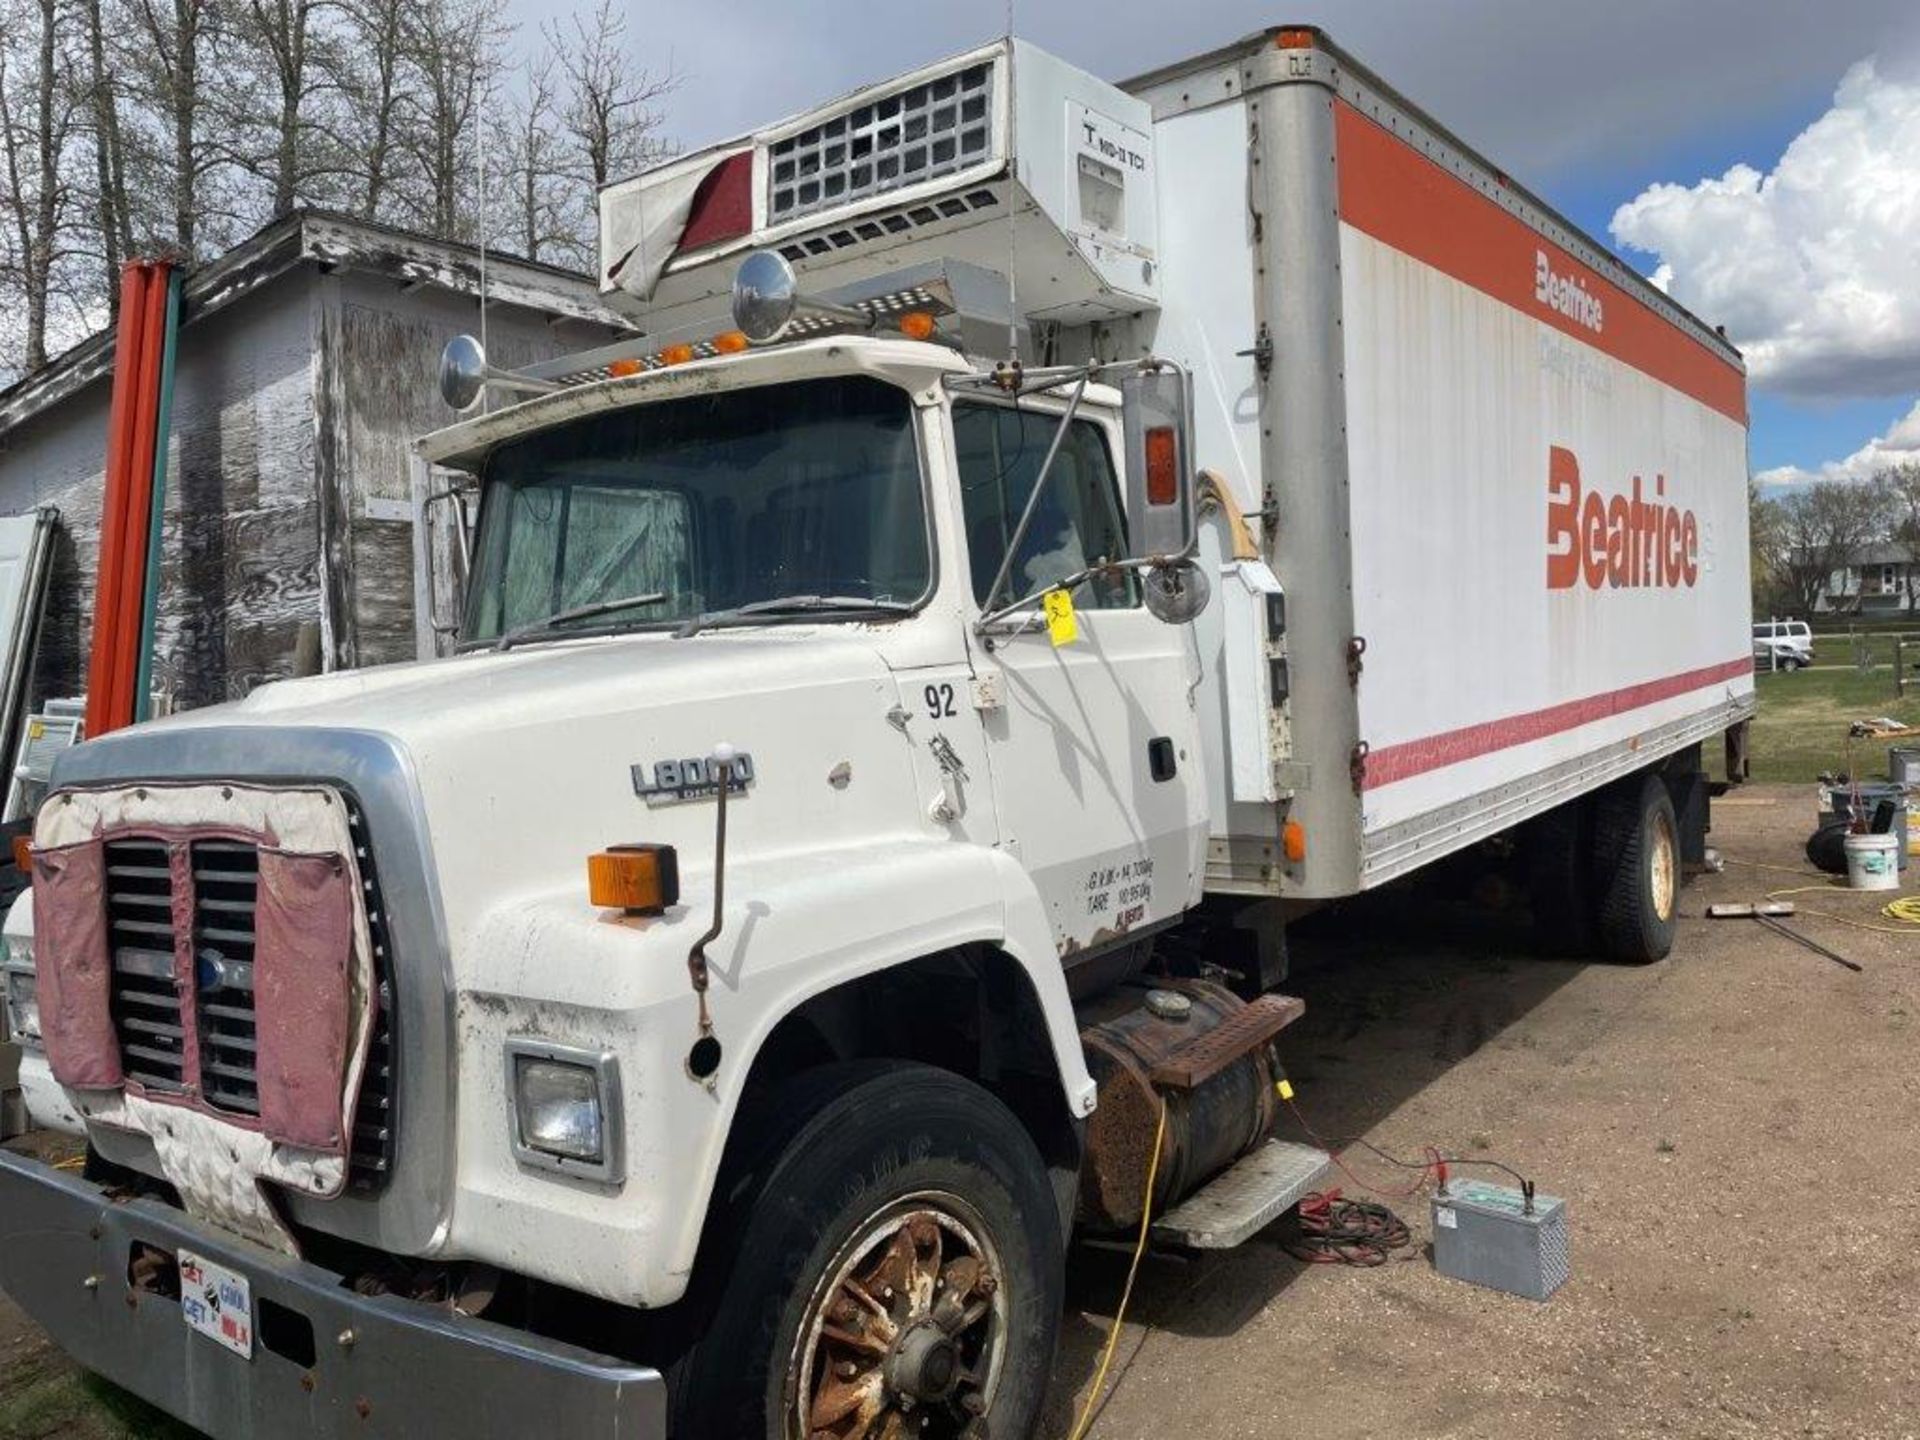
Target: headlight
x=22, y=993
x=566, y=1108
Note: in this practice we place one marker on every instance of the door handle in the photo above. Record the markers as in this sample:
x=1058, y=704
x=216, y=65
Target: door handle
x=1160, y=759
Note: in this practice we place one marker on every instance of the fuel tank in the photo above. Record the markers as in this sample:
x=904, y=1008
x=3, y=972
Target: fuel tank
x=1130, y=1032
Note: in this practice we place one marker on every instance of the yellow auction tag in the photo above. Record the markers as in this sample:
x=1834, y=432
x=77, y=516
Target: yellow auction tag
x=1062, y=628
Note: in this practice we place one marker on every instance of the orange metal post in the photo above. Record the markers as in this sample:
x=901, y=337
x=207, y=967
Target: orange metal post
x=110, y=575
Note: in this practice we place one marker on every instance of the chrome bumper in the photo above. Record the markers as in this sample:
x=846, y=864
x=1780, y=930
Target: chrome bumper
x=408, y=1369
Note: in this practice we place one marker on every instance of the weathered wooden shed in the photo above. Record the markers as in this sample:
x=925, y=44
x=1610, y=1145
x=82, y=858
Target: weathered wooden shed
x=306, y=364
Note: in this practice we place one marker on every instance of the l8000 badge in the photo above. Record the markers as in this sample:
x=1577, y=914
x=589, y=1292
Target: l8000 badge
x=667, y=782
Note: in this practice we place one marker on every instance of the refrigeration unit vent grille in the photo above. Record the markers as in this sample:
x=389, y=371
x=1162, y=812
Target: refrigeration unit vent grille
x=920, y=133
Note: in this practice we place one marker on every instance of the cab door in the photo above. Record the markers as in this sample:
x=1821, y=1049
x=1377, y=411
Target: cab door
x=1092, y=739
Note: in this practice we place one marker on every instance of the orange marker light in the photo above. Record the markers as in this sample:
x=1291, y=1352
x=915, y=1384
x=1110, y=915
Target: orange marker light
x=917, y=325
x=620, y=369
x=23, y=854
x=676, y=355
x=639, y=879
x=1163, y=480
x=1294, y=39
x=730, y=342
x=1293, y=840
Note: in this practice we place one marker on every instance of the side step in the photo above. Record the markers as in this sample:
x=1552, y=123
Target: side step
x=1246, y=1197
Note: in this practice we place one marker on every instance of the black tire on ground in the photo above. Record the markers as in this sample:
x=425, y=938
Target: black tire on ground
x=1636, y=856
x=1558, y=850
x=868, y=1176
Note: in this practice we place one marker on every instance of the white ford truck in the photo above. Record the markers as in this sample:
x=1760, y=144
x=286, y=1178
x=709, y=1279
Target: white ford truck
x=851, y=846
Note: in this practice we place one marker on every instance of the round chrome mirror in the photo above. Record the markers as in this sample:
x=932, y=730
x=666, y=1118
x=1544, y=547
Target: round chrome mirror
x=1177, y=592
x=765, y=295
x=463, y=372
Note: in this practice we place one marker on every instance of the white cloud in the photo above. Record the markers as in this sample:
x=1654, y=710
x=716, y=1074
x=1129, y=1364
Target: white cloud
x=1899, y=446
x=1813, y=268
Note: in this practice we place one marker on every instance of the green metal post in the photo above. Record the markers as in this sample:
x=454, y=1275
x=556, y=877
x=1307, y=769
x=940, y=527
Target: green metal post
x=163, y=421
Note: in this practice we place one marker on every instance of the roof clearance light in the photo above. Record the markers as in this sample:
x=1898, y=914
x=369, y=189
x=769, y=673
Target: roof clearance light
x=620, y=369
x=917, y=325
x=1163, y=483
x=639, y=879
x=676, y=355
x=730, y=342
x=1294, y=39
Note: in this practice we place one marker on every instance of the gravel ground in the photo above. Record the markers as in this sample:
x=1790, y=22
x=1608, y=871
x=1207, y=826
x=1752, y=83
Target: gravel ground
x=1737, y=1134
x=1736, y=1131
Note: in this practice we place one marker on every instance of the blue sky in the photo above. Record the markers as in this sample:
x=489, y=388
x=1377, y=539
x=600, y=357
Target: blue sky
x=1785, y=431
x=1589, y=104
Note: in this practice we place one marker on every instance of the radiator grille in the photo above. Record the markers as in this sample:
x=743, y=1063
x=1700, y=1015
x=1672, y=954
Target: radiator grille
x=925, y=131
x=146, y=1001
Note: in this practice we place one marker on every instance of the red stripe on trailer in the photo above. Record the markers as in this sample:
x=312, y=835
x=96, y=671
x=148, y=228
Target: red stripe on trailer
x=723, y=205
x=110, y=577
x=1392, y=192
x=1416, y=757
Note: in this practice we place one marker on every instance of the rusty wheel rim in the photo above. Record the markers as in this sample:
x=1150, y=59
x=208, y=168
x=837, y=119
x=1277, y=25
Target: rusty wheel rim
x=1664, y=870
x=905, y=1333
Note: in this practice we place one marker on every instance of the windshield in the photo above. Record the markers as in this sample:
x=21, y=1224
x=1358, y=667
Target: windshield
x=704, y=504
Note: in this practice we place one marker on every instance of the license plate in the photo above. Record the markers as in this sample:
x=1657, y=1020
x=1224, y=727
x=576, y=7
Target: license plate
x=217, y=1302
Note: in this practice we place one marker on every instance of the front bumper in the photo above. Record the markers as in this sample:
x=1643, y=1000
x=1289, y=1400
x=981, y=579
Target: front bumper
x=409, y=1369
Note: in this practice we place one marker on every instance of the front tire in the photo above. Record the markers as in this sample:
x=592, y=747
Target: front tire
x=893, y=1258
x=1636, y=851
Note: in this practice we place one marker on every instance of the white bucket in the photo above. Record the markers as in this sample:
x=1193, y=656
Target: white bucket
x=1873, y=862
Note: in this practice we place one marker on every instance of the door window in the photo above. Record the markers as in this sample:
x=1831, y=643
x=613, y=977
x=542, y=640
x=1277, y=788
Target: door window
x=1077, y=523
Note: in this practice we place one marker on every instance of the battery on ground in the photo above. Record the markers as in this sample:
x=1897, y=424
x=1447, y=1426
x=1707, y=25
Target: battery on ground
x=1485, y=1234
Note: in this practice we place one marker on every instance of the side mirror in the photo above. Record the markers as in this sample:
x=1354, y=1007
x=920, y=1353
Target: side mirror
x=1157, y=413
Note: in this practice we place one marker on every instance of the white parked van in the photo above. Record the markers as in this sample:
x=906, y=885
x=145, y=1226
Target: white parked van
x=1782, y=644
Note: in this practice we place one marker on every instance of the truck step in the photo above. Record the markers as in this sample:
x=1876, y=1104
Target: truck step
x=1250, y=1027
x=1248, y=1196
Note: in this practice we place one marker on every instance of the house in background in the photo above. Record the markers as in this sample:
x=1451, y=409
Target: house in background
x=307, y=364
x=1878, y=579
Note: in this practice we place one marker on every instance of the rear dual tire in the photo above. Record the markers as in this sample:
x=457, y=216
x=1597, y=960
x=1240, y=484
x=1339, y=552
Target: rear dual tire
x=1604, y=873
x=1636, y=853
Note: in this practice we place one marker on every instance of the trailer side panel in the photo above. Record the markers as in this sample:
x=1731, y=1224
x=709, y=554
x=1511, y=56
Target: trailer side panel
x=1548, y=500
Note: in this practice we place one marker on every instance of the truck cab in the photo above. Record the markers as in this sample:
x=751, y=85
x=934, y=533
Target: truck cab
x=820, y=726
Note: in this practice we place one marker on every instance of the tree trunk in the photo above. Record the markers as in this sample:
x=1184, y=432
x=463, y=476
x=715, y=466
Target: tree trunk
x=109, y=161
x=185, y=102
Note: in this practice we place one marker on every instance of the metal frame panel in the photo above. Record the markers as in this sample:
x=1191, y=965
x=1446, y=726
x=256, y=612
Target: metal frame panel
x=1303, y=459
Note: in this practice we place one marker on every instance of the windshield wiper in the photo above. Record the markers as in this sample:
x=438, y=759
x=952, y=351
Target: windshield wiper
x=533, y=628
x=785, y=604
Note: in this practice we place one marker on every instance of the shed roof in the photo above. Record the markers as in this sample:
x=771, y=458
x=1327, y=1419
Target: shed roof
x=329, y=241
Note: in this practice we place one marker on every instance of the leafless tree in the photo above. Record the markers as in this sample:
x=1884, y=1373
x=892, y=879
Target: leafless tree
x=114, y=218
x=302, y=152
x=36, y=130
x=176, y=35
x=375, y=76
x=132, y=127
x=455, y=49
x=1822, y=526
x=609, y=112
x=537, y=188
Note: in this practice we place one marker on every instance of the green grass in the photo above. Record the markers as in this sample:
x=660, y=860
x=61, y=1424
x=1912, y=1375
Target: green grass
x=1801, y=726
x=43, y=1395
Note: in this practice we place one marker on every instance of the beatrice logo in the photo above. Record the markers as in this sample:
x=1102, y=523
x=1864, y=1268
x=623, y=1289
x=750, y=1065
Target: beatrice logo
x=1615, y=542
